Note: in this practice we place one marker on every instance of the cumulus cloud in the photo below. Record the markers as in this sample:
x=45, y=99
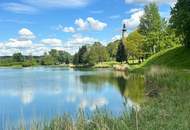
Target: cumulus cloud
x=116, y=37
x=90, y=22
x=66, y=29
x=171, y=2
x=19, y=8
x=134, y=19
x=26, y=33
x=96, y=24
x=26, y=45
x=7, y=51
x=18, y=43
x=134, y=10
x=36, y=50
x=82, y=24
x=78, y=39
x=52, y=42
x=69, y=29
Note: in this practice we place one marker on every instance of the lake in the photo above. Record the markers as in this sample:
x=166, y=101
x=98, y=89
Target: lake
x=43, y=93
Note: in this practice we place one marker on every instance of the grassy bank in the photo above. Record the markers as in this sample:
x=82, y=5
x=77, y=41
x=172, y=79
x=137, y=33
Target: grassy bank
x=177, y=57
x=166, y=107
x=108, y=64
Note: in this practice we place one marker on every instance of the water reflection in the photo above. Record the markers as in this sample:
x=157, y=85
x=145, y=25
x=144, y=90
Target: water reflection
x=48, y=92
x=130, y=86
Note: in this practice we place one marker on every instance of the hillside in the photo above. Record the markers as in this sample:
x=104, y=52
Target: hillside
x=178, y=57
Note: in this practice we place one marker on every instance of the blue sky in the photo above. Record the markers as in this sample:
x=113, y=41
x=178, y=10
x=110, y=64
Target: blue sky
x=34, y=27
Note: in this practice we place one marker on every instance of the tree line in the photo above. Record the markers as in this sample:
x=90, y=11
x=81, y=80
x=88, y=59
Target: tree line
x=53, y=57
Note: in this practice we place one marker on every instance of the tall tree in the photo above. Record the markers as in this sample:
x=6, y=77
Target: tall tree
x=54, y=55
x=134, y=43
x=112, y=49
x=151, y=27
x=151, y=20
x=97, y=53
x=18, y=57
x=76, y=59
x=64, y=57
x=48, y=60
x=101, y=52
x=121, y=55
x=180, y=20
x=82, y=54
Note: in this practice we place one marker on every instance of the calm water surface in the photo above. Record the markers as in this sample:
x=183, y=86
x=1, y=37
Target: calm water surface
x=44, y=93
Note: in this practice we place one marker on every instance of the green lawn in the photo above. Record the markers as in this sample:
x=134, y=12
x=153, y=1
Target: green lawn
x=178, y=57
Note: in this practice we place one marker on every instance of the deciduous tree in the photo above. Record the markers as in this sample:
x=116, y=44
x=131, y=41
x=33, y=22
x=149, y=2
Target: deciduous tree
x=180, y=20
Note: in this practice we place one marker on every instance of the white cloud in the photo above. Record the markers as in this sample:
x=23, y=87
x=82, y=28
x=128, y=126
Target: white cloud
x=19, y=8
x=171, y=2
x=96, y=24
x=69, y=29
x=52, y=42
x=26, y=33
x=134, y=20
x=79, y=40
x=18, y=43
x=26, y=46
x=66, y=29
x=8, y=51
x=1, y=45
x=36, y=50
x=116, y=37
x=90, y=22
x=58, y=3
x=82, y=24
x=134, y=10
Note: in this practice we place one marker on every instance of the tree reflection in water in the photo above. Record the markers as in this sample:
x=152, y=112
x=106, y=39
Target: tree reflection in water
x=130, y=86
